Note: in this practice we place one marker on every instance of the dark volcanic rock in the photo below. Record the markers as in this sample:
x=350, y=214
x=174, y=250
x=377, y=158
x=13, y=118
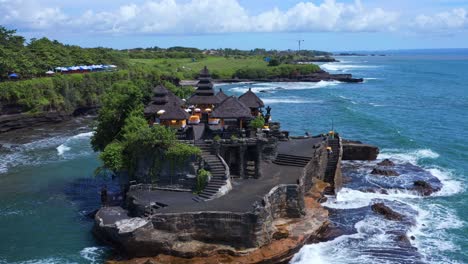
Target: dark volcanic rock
x=375, y=190
x=16, y=121
x=358, y=151
x=386, y=162
x=384, y=172
x=424, y=188
x=387, y=212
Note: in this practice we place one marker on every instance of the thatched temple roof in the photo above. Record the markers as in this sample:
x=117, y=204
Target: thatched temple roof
x=251, y=100
x=173, y=112
x=204, y=93
x=221, y=95
x=231, y=107
x=163, y=99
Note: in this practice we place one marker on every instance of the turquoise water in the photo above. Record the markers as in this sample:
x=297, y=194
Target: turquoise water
x=413, y=107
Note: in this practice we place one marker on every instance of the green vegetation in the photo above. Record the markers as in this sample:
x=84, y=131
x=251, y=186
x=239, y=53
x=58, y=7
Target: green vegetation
x=202, y=179
x=68, y=92
x=124, y=136
x=144, y=68
x=40, y=55
x=257, y=122
x=226, y=67
x=135, y=141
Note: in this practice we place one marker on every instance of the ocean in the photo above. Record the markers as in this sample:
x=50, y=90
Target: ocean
x=413, y=106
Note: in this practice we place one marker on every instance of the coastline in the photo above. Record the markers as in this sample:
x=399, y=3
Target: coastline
x=313, y=78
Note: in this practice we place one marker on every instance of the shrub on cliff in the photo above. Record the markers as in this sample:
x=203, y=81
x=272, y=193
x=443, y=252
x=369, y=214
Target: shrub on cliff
x=117, y=104
x=136, y=140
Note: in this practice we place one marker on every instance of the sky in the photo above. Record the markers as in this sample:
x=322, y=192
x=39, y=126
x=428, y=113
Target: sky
x=331, y=25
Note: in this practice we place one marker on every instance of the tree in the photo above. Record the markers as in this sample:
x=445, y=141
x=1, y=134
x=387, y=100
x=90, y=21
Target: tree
x=274, y=62
x=120, y=102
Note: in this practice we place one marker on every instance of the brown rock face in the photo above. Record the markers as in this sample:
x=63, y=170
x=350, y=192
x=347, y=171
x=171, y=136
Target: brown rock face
x=424, y=188
x=384, y=172
x=387, y=212
x=386, y=162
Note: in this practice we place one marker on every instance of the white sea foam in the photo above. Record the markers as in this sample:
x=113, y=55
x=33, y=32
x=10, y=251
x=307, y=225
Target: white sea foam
x=430, y=231
x=347, y=99
x=343, y=67
x=66, y=146
x=450, y=185
x=93, y=254
x=278, y=86
x=348, y=198
x=51, y=260
x=62, y=149
x=45, y=151
x=411, y=156
x=376, y=105
x=371, y=233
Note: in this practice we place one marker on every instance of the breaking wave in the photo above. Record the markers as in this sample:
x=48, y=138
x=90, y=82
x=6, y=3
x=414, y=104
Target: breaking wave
x=45, y=151
x=278, y=86
x=373, y=240
x=73, y=141
x=343, y=67
x=93, y=254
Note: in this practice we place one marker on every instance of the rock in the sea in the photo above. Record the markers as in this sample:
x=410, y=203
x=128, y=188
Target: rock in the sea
x=387, y=212
x=374, y=190
x=403, y=240
x=386, y=162
x=384, y=172
x=424, y=188
x=358, y=151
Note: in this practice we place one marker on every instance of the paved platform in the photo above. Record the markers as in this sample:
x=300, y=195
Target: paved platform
x=245, y=191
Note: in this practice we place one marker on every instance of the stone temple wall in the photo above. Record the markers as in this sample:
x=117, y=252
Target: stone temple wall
x=250, y=229
x=315, y=168
x=235, y=229
x=255, y=228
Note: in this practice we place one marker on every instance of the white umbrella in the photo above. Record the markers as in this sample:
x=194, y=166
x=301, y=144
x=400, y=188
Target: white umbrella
x=160, y=112
x=50, y=72
x=197, y=110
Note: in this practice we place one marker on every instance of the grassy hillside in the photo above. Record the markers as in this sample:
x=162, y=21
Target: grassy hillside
x=225, y=67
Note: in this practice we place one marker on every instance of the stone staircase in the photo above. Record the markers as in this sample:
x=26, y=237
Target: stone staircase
x=217, y=170
x=332, y=163
x=291, y=160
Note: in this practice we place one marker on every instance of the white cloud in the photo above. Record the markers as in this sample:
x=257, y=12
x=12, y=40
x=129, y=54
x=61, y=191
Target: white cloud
x=30, y=14
x=219, y=16
x=201, y=16
x=455, y=19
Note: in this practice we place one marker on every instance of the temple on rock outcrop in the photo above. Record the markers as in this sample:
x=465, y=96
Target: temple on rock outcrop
x=261, y=189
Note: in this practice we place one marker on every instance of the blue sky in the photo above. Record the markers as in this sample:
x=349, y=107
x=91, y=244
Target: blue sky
x=331, y=25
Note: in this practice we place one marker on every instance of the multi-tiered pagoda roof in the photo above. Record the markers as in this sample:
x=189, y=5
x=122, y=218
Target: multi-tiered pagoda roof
x=204, y=95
